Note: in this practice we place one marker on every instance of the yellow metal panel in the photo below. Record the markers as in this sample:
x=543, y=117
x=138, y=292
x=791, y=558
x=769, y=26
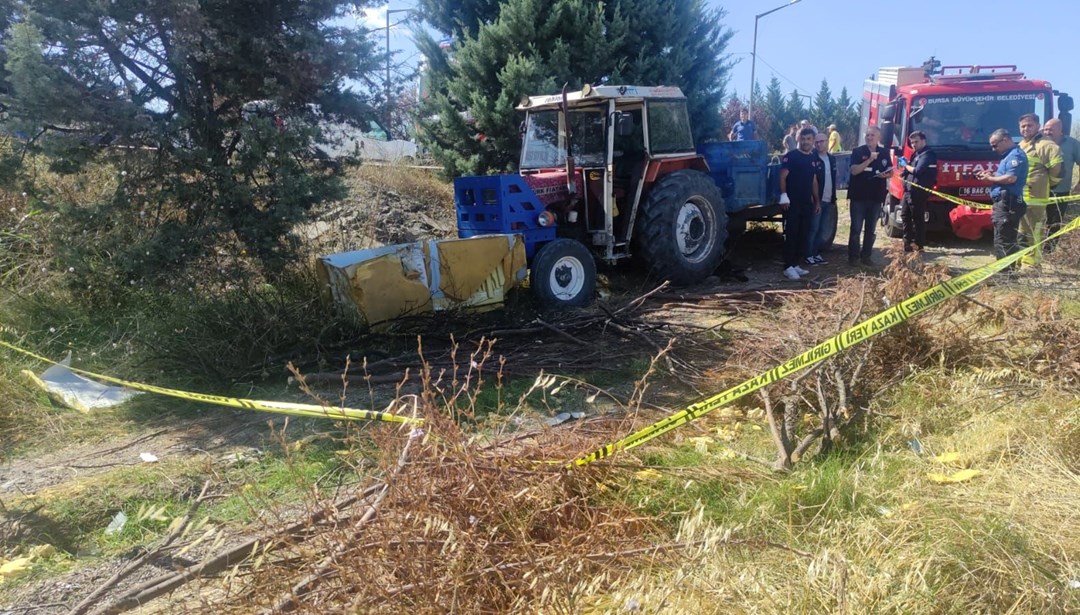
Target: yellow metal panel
x=383, y=289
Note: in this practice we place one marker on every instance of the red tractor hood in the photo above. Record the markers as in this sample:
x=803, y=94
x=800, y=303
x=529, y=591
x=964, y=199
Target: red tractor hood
x=550, y=185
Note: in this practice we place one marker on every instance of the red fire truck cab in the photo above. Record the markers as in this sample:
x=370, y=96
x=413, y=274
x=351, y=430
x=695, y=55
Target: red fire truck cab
x=957, y=107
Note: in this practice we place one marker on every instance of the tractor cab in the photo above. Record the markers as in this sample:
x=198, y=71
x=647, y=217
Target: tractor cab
x=588, y=154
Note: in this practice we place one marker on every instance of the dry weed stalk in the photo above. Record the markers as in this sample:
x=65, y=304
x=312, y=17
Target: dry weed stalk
x=818, y=405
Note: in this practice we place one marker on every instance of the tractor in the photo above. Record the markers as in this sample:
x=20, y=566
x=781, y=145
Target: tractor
x=605, y=172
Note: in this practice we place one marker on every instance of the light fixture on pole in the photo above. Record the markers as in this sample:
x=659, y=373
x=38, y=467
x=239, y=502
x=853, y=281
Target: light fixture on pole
x=387, y=84
x=753, y=54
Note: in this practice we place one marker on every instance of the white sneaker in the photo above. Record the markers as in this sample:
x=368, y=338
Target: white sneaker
x=799, y=270
x=791, y=273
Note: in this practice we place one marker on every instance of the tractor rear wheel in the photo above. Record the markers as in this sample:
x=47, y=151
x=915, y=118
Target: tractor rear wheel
x=682, y=227
x=563, y=274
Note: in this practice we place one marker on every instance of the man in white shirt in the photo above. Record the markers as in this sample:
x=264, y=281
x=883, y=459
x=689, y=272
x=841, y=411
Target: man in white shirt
x=820, y=231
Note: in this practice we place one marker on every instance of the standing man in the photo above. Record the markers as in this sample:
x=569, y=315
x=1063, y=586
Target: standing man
x=834, y=140
x=870, y=165
x=799, y=194
x=1008, y=193
x=791, y=139
x=1070, y=156
x=922, y=171
x=744, y=129
x=820, y=228
x=807, y=124
x=1044, y=170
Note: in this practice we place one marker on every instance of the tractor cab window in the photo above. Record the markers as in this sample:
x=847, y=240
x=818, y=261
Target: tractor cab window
x=669, y=127
x=544, y=146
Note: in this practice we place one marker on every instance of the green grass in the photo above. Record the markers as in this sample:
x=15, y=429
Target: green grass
x=73, y=516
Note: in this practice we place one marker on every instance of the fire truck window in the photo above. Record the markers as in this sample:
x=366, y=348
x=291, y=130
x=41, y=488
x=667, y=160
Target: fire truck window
x=966, y=121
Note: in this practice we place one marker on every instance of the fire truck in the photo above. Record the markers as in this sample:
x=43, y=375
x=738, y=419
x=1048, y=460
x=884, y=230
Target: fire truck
x=957, y=107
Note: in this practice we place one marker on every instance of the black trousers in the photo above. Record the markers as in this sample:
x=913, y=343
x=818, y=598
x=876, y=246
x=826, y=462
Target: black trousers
x=914, y=215
x=796, y=231
x=1055, y=214
x=1006, y=215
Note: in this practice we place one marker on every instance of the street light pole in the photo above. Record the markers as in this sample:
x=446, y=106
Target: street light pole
x=389, y=113
x=753, y=54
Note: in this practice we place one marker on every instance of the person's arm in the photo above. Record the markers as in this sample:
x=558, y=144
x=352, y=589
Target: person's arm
x=815, y=194
x=784, y=171
x=859, y=167
x=922, y=167
x=1053, y=165
x=832, y=164
x=1002, y=180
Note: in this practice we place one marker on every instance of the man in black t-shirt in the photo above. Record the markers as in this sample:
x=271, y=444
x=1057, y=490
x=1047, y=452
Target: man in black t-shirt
x=870, y=165
x=800, y=197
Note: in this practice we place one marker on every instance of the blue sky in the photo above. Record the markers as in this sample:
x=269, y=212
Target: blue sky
x=845, y=41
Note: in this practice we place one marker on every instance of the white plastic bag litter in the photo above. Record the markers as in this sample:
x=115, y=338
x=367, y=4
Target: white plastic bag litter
x=75, y=391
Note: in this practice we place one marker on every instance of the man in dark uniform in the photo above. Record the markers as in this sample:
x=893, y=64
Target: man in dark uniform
x=922, y=171
x=1008, y=193
x=799, y=199
x=870, y=165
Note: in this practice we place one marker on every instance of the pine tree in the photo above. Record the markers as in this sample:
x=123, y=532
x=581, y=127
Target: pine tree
x=777, y=111
x=848, y=118
x=795, y=108
x=536, y=46
x=177, y=78
x=824, y=111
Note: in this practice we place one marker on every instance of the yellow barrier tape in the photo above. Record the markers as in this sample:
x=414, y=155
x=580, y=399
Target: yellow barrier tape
x=974, y=205
x=857, y=334
x=279, y=407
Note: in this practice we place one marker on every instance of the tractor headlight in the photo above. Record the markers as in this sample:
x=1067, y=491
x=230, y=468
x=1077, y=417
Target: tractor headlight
x=546, y=219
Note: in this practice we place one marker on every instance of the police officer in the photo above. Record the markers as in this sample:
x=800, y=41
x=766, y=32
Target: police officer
x=800, y=199
x=921, y=171
x=1008, y=193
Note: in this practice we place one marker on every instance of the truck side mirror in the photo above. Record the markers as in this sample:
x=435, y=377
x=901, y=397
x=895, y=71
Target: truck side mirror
x=888, y=128
x=624, y=124
x=1065, y=103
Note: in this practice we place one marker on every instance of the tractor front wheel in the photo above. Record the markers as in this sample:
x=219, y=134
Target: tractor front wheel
x=683, y=227
x=563, y=274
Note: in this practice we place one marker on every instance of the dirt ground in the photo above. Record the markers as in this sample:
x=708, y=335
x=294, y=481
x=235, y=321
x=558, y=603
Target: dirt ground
x=588, y=343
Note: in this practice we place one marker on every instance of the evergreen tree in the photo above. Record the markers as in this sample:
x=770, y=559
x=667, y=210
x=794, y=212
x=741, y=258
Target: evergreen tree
x=777, y=111
x=462, y=18
x=795, y=108
x=847, y=119
x=175, y=78
x=536, y=46
x=824, y=111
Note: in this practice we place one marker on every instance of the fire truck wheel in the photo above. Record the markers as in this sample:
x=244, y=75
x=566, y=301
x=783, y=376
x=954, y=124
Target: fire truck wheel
x=890, y=217
x=563, y=274
x=682, y=227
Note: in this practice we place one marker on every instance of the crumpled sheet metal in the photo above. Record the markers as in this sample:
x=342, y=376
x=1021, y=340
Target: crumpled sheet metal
x=389, y=282
x=74, y=391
